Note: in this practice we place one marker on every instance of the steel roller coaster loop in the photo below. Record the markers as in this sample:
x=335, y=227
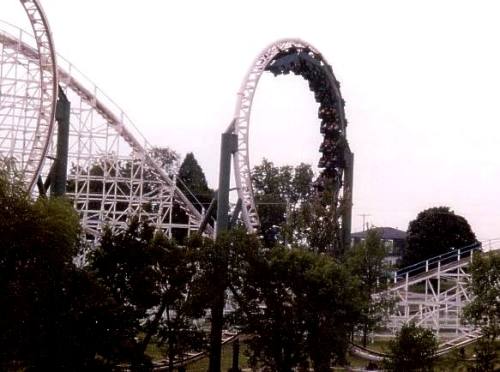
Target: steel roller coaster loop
x=301, y=58
x=28, y=95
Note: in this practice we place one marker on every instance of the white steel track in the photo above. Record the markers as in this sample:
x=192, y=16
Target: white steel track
x=39, y=136
x=242, y=169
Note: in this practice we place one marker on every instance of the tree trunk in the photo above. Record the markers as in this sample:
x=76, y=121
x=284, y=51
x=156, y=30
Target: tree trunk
x=154, y=324
x=365, y=334
x=171, y=353
x=236, y=356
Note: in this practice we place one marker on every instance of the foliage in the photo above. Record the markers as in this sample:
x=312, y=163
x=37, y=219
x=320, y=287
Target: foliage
x=366, y=261
x=54, y=315
x=484, y=310
x=192, y=182
x=291, y=213
x=315, y=225
x=278, y=192
x=436, y=231
x=123, y=262
x=219, y=269
x=149, y=276
x=191, y=174
x=413, y=349
x=177, y=329
x=297, y=305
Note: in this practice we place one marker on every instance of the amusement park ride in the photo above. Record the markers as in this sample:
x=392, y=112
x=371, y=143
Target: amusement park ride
x=58, y=130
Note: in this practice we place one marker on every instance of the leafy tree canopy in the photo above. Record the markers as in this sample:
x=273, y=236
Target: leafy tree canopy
x=436, y=231
x=484, y=310
x=150, y=276
x=366, y=262
x=278, y=192
x=299, y=306
x=413, y=349
x=55, y=316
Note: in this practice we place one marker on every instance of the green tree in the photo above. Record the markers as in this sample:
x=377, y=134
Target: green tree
x=55, y=316
x=413, y=349
x=279, y=191
x=176, y=314
x=192, y=176
x=314, y=225
x=484, y=309
x=219, y=265
x=192, y=182
x=123, y=262
x=150, y=276
x=292, y=213
x=298, y=306
x=366, y=261
x=436, y=231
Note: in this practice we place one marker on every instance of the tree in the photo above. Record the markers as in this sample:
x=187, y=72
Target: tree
x=123, y=263
x=314, y=225
x=436, y=231
x=150, y=276
x=192, y=182
x=413, y=349
x=219, y=263
x=192, y=176
x=366, y=261
x=278, y=192
x=298, y=306
x=55, y=316
x=176, y=313
x=484, y=309
x=293, y=213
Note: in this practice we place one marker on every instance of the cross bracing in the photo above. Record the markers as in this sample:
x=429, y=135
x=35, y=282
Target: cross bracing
x=434, y=292
x=112, y=171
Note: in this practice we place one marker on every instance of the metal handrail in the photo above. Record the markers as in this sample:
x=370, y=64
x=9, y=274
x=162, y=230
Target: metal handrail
x=433, y=262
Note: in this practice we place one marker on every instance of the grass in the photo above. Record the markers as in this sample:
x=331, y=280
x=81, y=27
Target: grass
x=226, y=362
x=155, y=352
x=450, y=362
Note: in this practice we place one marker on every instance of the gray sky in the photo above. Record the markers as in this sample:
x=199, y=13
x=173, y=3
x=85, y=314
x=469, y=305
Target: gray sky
x=421, y=82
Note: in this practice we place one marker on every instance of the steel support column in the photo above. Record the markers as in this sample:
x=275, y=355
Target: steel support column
x=63, y=109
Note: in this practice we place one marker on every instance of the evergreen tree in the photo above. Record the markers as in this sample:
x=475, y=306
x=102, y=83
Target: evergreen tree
x=192, y=182
x=192, y=176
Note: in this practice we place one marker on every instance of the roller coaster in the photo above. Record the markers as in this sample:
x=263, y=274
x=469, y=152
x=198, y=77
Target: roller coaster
x=113, y=172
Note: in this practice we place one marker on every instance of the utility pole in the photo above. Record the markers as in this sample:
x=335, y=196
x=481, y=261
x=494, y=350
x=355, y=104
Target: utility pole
x=364, y=219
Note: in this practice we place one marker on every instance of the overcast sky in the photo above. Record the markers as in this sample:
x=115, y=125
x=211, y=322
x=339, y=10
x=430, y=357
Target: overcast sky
x=421, y=81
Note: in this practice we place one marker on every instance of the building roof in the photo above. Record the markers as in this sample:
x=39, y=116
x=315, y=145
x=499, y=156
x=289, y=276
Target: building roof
x=384, y=232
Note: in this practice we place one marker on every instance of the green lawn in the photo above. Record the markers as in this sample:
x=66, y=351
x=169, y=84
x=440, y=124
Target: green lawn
x=227, y=359
x=450, y=362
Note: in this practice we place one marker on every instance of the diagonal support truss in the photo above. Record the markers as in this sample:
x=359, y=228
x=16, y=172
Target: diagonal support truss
x=433, y=294
x=113, y=172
